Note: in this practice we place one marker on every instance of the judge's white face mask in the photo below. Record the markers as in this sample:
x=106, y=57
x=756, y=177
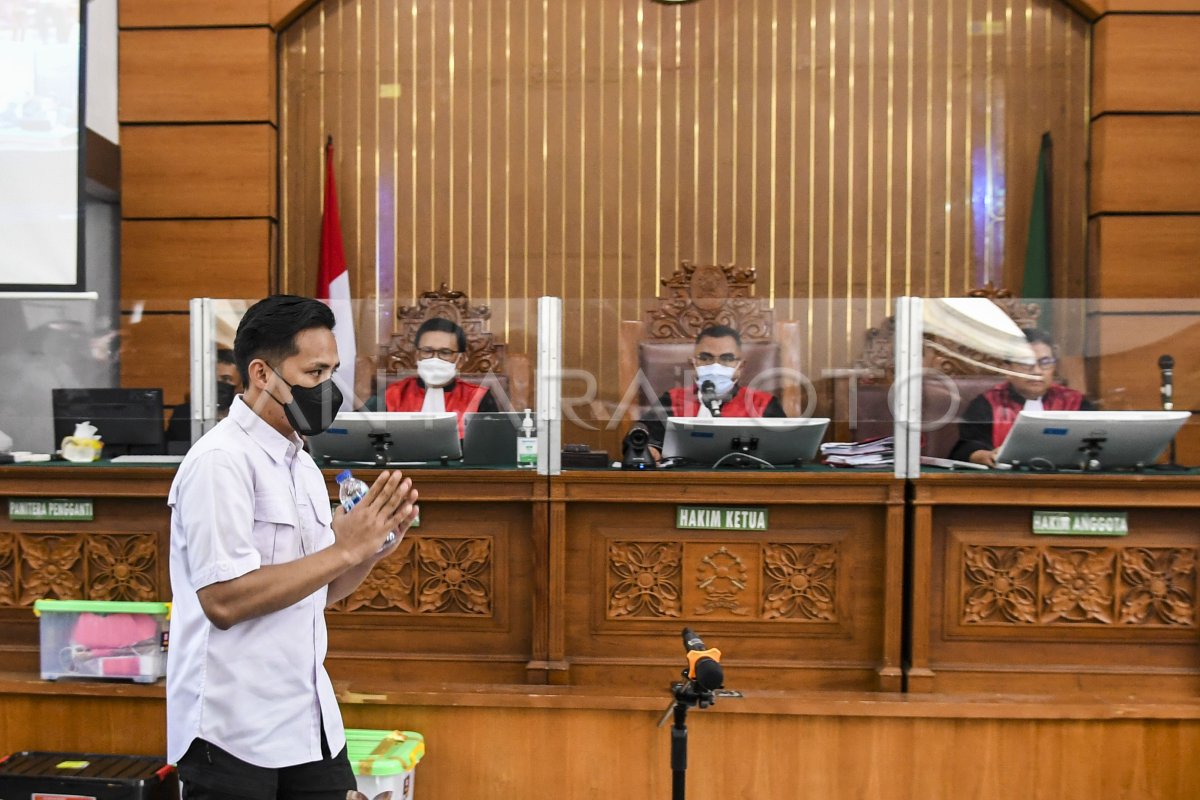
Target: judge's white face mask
x=436, y=372
x=720, y=375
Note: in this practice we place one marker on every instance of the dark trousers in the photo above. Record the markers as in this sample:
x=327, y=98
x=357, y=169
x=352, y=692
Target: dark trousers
x=210, y=773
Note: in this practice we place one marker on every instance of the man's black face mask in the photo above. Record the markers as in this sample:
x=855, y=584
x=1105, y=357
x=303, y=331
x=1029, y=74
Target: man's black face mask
x=312, y=408
x=225, y=395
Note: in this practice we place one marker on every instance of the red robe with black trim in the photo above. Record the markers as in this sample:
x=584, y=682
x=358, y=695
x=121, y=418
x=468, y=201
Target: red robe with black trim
x=745, y=403
x=409, y=395
x=1006, y=405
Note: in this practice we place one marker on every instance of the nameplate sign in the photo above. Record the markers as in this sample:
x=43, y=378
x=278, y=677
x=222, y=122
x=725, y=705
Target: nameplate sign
x=51, y=510
x=1081, y=523
x=720, y=518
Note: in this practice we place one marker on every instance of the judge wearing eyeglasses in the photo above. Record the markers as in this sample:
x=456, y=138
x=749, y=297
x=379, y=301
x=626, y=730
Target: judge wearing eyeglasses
x=990, y=416
x=717, y=360
x=441, y=346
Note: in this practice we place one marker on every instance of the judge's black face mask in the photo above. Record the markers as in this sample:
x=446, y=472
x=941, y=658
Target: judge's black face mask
x=225, y=395
x=312, y=408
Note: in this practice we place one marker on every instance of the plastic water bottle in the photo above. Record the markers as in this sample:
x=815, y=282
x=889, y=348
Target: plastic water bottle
x=527, y=443
x=350, y=491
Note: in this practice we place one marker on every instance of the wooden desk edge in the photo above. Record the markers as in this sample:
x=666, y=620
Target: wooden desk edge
x=590, y=698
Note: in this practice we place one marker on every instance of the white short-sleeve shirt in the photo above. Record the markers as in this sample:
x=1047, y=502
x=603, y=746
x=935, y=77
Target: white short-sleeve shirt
x=244, y=497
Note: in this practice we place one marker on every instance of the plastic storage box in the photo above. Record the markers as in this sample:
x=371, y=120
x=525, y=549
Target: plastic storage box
x=73, y=776
x=103, y=639
x=384, y=761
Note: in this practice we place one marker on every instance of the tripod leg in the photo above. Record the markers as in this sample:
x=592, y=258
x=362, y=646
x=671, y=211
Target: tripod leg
x=679, y=753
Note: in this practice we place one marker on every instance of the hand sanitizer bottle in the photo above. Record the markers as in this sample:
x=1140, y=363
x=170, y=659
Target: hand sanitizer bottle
x=527, y=443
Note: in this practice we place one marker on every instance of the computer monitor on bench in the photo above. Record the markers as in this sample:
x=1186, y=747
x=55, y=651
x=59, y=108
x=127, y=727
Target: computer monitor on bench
x=1089, y=440
x=743, y=441
x=128, y=421
x=388, y=437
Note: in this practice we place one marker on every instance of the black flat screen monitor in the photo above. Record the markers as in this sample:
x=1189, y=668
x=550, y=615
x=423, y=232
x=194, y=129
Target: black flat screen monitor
x=388, y=437
x=490, y=439
x=128, y=421
x=773, y=440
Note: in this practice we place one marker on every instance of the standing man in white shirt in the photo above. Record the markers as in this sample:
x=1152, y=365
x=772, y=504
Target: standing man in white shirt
x=256, y=556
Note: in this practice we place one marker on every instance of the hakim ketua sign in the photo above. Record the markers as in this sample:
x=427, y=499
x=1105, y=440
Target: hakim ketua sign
x=1081, y=523
x=721, y=518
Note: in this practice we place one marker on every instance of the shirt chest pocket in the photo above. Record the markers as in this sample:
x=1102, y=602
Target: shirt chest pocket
x=277, y=532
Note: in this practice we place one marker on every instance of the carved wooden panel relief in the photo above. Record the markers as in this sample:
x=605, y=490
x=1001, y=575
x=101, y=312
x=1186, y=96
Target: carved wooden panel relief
x=793, y=581
x=431, y=575
x=644, y=579
x=93, y=566
x=801, y=582
x=1044, y=585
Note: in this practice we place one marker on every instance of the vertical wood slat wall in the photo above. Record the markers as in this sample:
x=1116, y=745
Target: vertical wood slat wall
x=1142, y=61
x=198, y=131
x=518, y=147
x=1144, y=209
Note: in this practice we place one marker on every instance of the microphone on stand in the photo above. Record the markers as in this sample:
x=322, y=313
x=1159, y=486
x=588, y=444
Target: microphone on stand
x=704, y=664
x=1167, y=365
x=708, y=396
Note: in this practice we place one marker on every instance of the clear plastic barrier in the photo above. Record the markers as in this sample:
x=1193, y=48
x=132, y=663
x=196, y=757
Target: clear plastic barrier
x=439, y=355
x=1004, y=380
x=799, y=376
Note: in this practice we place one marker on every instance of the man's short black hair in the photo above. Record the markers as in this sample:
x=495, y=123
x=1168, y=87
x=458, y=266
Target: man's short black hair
x=268, y=330
x=442, y=325
x=719, y=332
x=225, y=356
x=1038, y=336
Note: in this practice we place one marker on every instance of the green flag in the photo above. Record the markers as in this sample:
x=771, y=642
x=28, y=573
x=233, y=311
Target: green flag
x=1036, y=282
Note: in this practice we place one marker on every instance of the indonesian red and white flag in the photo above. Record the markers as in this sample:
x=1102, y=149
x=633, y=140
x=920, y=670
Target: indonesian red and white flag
x=333, y=285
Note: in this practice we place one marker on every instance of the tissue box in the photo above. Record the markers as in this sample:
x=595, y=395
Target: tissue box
x=384, y=761
x=103, y=639
x=44, y=776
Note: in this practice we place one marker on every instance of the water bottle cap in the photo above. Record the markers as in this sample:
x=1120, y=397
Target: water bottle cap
x=343, y=475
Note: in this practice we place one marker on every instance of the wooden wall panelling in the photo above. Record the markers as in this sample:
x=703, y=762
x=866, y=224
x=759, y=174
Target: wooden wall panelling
x=165, y=263
x=1010, y=611
x=192, y=13
x=1146, y=164
x=478, y=747
x=1146, y=6
x=1125, y=350
x=1145, y=256
x=502, y=175
x=190, y=75
x=1146, y=63
x=154, y=352
x=458, y=600
x=198, y=171
x=283, y=12
x=806, y=604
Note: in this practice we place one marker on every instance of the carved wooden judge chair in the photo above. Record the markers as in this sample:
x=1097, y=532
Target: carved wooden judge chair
x=697, y=297
x=487, y=361
x=865, y=411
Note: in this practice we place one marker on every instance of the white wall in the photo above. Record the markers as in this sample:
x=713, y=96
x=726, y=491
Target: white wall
x=101, y=111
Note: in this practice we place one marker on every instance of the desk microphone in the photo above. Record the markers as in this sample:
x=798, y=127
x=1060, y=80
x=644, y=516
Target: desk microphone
x=1167, y=365
x=708, y=396
x=704, y=664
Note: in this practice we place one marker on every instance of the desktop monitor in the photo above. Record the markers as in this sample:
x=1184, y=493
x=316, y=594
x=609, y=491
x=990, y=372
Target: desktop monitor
x=490, y=438
x=388, y=437
x=719, y=440
x=1089, y=439
x=128, y=421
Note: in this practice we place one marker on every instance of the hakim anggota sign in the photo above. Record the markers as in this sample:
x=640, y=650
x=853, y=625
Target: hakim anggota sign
x=1081, y=523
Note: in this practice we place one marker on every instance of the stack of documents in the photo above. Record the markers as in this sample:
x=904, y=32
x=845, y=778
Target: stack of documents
x=870, y=453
